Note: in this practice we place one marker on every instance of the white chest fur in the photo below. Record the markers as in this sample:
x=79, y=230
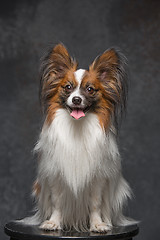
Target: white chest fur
x=76, y=150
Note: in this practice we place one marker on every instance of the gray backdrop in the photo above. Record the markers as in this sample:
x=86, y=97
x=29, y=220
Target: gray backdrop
x=87, y=28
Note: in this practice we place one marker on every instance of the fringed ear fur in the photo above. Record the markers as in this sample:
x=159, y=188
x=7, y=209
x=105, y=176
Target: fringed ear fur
x=110, y=69
x=54, y=66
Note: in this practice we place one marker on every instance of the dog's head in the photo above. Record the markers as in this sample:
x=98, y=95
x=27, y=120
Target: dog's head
x=100, y=90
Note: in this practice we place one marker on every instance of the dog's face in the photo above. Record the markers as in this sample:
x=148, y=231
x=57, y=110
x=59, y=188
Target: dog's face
x=79, y=93
x=99, y=89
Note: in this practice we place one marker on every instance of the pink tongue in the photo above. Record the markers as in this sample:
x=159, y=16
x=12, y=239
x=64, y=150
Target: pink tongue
x=77, y=113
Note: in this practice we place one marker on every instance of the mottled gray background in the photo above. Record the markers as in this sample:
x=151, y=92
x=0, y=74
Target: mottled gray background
x=87, y=28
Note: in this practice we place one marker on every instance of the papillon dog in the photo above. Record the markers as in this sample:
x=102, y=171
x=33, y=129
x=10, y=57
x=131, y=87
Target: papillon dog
x=79, y=183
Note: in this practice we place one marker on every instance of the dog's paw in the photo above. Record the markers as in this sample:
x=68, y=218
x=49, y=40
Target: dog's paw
x=100, y=227
x=50, y=225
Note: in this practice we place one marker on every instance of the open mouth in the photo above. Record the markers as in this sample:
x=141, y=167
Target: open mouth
x=78, y=113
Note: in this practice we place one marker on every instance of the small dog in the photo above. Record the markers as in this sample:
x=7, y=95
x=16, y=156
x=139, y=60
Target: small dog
x=79, y=184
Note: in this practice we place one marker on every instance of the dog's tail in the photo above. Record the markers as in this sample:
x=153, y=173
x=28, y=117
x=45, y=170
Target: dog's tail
x=119, y=192
x=43, y=205
x=32, y=220
x=122, y=194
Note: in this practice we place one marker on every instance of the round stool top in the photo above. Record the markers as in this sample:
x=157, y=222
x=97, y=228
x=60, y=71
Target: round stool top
x=30, y=232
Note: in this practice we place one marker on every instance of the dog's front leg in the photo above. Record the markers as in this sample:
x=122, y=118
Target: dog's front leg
x=96, y=222
x=54, y=222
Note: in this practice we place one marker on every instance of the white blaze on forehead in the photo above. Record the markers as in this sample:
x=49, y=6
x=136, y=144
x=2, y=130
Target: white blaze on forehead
x=79, y=75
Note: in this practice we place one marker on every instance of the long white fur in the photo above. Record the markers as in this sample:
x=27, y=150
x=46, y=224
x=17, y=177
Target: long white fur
x=78, y=158
x=80, y=175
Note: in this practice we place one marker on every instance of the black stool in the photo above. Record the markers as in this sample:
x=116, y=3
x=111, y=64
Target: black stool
x=18, y=231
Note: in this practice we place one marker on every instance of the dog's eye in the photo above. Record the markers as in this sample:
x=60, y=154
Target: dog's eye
x=90, y=90
x=68, y=88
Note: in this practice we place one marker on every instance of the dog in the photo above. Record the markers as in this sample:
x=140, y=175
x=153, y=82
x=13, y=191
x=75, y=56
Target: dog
x=79, y=182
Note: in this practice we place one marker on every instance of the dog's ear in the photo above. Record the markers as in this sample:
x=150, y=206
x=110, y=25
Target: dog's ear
x=108, y=65
x=54, y=67
x=60, y=60
x=110, y=69
x=56, y=62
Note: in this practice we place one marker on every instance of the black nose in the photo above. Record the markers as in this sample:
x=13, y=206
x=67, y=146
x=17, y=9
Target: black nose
x=77, y=100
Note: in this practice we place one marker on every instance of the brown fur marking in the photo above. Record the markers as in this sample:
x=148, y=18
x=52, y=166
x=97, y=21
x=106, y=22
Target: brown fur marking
x=36, y=188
